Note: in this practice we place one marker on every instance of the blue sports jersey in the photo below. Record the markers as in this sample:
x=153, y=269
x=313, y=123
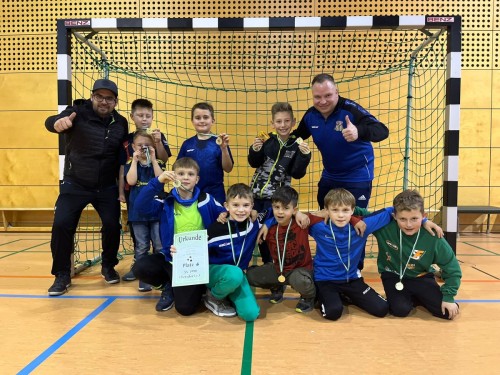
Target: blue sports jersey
x=144, y=175
x=328, y=266
x=208, y=155
x=243, y=238
x=344, y=161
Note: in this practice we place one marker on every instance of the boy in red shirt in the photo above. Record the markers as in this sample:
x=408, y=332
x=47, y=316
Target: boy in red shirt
x=291, y=254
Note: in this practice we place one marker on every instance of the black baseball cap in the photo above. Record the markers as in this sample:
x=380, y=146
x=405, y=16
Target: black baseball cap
x=105, y=84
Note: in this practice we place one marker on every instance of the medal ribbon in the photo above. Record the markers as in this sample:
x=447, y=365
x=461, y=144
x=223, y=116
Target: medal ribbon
x=401, y=271
x=232, y=245
x=348, y=250
x=281, y=259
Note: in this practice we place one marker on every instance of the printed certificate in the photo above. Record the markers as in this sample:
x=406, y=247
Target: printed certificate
x=190, y=262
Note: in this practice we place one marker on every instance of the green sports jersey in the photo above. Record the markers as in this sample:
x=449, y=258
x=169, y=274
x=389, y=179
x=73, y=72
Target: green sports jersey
x=428, y=250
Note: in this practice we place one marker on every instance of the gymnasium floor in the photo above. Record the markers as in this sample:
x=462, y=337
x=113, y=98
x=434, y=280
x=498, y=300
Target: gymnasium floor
x=106, y=329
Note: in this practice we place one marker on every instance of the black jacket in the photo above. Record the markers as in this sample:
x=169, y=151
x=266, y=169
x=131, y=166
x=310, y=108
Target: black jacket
x=92, y=146
x=276, y=165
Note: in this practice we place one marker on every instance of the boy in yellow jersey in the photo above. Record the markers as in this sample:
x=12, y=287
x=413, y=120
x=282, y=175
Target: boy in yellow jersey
x=184, y=209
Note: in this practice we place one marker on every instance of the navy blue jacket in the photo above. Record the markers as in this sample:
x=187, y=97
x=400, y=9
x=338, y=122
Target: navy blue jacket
x=148, y=204
x=344, y=161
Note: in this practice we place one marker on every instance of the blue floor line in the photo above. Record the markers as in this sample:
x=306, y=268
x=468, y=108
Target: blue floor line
x=50, y=350
x=34, y=296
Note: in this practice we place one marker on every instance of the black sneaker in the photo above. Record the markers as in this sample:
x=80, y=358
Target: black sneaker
x=277, y=294
x=305, y=305
x=110, y=275
x=129, y=276
x=166, y=301
x=61, y=284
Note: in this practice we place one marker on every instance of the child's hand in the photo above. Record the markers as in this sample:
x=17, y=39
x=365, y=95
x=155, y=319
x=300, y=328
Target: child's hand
x=261, y=236
x=254, y=215
x=452, y=308
x=360, y=228
x=304, y=148
x=121, y=198
x=225, y=140
x=136, y=155
x=166, y=176
x=432, y=227
x=156, y=135
x=222, y=218
x=173, y=250
x=322, y=213
x=302, y=220
x=257, y=144
x=152, y=153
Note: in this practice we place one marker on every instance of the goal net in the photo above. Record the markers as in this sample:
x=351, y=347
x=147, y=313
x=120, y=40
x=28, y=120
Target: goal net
x=397, y=72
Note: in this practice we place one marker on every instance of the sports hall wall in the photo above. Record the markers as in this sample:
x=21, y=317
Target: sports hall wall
x=30, y=169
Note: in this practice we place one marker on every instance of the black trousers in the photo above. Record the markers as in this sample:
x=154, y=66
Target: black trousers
x=424, y=291
x=155, y=270
x=359, y=293
x=260, y=205
x=68, y=209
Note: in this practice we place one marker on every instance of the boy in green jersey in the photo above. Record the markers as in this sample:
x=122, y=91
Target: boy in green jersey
x=406, y=253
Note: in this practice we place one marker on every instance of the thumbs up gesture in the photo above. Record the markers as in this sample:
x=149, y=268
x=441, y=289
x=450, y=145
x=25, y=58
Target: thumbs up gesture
x=350, y=132
x=64, y=123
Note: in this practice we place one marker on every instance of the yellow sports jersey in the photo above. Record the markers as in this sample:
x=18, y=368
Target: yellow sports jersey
x=187, y=219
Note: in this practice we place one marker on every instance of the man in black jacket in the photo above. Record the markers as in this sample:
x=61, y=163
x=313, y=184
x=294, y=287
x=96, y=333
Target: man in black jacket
x=93, y=134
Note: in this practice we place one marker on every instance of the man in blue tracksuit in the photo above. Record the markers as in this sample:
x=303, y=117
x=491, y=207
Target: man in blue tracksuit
x=342, y=131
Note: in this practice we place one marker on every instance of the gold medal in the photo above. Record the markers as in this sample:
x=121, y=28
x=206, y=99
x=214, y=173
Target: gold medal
x=399, y=286
x=149, y=131
x=263, y=135
x=299, y=141
x=177, y=183
x=281, y=278
x=218, y=140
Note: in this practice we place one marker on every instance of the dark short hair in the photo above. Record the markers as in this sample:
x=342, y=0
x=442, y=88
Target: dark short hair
x=408, y=200
x=323, y=77
x=239, y=190
x=188, y=163
x=285, y=195
x=141, y=103
x=281, y=107
x=205, y=106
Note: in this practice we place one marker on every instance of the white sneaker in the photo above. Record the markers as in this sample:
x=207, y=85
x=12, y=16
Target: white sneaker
x=219, y=307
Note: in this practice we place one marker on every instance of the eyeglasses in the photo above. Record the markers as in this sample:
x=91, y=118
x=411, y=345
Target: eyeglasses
x=107, y=99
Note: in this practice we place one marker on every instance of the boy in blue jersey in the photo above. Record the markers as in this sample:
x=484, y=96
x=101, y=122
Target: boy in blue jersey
x=230, y=249
x=211, y=152
x=338, y=253
x=184, y=209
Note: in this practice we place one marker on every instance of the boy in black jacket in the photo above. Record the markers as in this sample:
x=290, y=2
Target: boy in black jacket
x=277, y=159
